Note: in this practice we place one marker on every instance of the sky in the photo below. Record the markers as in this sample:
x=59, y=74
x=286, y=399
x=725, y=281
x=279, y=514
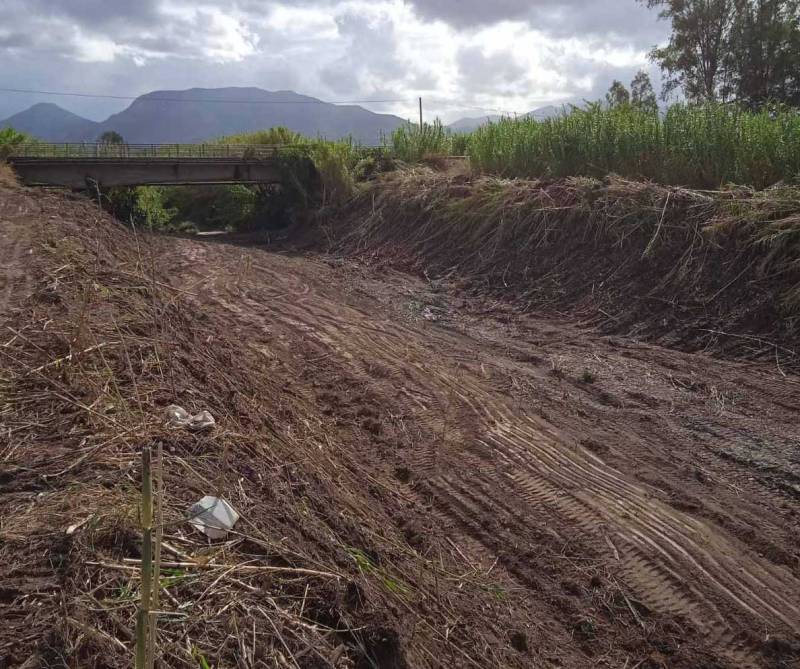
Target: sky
x=463, y=57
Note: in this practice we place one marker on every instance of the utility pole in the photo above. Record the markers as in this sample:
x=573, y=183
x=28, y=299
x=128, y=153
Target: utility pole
x=420, y=114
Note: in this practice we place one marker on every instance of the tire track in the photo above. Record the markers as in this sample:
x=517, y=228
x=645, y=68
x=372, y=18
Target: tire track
x=475, y=439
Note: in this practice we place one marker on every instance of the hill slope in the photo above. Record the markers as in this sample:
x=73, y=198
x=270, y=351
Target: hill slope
x=52, y=123
x=200, y=114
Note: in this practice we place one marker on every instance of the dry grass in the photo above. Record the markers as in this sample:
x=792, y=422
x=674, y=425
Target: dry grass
x=89, y=362
x=8, y=177
x=77, y=422
x=634, y=254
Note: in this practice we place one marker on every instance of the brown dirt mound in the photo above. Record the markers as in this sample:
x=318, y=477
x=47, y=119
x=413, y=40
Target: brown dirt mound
x=696, y=270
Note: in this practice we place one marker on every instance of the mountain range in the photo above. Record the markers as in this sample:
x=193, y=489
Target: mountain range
x=202, y=114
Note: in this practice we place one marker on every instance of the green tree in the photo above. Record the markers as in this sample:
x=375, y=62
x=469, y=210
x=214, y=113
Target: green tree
x=763, y=57
x=111, y=137
x=140, y=205
x=693, y=58
x=732, y=50
x=642, y=94
x=618, y=95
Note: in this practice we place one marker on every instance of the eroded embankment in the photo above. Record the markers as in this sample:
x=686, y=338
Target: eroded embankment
x=423, y=481
x=697, y=270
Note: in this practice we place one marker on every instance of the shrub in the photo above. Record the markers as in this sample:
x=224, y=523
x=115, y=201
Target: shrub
x=141, y=205
x=10, y=139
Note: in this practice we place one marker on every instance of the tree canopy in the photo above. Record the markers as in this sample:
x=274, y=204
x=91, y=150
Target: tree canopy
x=111, y=137
x=617, y=95
x=641, y=94
x=731, y=50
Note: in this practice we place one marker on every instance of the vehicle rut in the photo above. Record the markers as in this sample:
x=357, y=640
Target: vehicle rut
x=482, y=452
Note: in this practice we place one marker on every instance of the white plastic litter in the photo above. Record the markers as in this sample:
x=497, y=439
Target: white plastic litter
x=213, y=516
x=178, y=417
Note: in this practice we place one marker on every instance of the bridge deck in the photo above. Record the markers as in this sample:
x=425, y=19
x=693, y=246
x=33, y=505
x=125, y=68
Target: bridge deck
x=75, y=165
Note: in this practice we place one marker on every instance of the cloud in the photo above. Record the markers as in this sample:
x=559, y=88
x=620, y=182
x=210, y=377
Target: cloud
x=469, y=13
x=369, y=58
x=457, y=54
x=495, y=72
x=617, y=20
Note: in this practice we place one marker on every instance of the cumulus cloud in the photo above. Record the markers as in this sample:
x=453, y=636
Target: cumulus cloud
x=369, y=59
x=457, y=54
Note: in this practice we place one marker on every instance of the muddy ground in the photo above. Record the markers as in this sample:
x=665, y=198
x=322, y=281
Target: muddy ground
x=490, y=488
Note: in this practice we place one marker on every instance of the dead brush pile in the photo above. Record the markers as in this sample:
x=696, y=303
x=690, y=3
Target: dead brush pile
x=697, y=269
x=317, y=573
x=7, y=176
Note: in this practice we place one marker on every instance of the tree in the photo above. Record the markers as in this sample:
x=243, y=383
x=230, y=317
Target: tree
x=693, y=58
x=763, y=56
x=642, y=94
x=111, y=137
x=617, y=95
x=732, y=50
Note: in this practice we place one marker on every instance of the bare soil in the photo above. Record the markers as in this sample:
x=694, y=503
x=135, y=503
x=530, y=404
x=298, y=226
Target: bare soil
x=474, y=486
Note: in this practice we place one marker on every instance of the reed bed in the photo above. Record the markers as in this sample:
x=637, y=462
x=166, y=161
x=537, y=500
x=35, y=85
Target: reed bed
x=698, y=146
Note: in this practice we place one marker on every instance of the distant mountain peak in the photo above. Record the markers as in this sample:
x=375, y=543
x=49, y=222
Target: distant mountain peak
x=203, y=118
x=52, y=123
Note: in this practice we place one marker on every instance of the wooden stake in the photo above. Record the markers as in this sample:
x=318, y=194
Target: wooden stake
x=152, y=622
x=142, y=615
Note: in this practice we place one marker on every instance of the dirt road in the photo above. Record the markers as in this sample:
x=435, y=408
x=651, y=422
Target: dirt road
x=550, y=455
x=486, y=488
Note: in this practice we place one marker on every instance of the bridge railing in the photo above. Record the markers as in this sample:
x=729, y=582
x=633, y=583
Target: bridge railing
x=144, y=151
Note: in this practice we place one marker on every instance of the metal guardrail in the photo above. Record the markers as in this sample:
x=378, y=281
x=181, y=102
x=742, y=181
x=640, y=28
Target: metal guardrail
x=144, y=151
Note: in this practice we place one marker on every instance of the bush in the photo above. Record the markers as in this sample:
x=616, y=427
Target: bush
x=143, y=206
x=10, y=139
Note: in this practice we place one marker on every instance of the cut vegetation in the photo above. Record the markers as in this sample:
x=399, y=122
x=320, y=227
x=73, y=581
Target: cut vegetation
x=696, y=269
x=426, y=477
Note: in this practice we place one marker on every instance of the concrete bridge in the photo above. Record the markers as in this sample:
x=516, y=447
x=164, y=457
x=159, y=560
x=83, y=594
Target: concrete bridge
x=79, y=166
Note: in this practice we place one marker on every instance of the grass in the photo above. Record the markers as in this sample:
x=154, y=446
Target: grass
x=700, y=146
x=695, y=146
x=9, y=140
x=367, y=567
x=412, y=143
x=7, y=176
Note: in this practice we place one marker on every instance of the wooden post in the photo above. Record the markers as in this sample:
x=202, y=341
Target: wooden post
x=158, y=492
x=420, y=114
x=143, y=614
